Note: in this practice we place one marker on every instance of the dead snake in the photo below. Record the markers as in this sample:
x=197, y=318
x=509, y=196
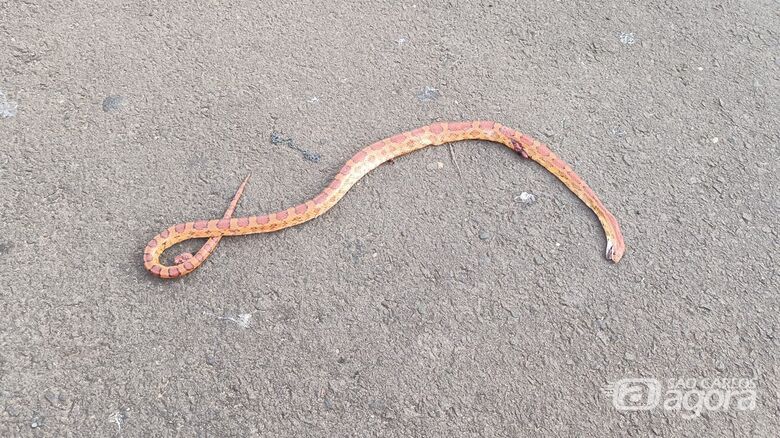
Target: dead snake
x=359, y=165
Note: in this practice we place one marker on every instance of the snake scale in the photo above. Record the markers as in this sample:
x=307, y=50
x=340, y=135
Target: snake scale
x=358, y=166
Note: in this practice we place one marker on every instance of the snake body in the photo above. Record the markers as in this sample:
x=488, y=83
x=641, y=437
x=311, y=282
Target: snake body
x=359, y=165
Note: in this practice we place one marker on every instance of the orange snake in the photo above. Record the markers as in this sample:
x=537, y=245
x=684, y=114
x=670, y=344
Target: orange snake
x=359, y=165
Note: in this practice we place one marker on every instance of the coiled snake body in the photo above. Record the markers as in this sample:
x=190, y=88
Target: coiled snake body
x=359, y=165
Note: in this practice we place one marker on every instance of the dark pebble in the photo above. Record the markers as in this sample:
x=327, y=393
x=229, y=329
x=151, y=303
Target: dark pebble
x=113, y=103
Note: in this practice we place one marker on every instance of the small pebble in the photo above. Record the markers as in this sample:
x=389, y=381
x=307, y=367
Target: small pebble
x=629, y=356
x=7, y=107
x=627, y=38
x=484, y=235
x=113, y=103
x=526, y=198
x=428, y=94
x=539, y=260
x=435, y=166
x=747, y=216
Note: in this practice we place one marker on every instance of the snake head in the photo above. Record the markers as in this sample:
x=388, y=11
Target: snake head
x=615, y=250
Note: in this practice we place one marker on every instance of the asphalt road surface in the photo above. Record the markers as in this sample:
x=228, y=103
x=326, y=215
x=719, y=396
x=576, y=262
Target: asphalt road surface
x=439, y=298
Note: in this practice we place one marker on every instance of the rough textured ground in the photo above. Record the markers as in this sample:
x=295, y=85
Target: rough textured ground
x=430, y=301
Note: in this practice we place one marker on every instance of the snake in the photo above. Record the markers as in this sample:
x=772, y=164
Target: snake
x=358, y=166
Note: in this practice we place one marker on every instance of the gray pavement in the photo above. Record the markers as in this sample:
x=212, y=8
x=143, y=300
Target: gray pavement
x=431, y=301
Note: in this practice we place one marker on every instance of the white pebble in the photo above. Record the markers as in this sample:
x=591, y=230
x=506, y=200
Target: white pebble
x=526, y=198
